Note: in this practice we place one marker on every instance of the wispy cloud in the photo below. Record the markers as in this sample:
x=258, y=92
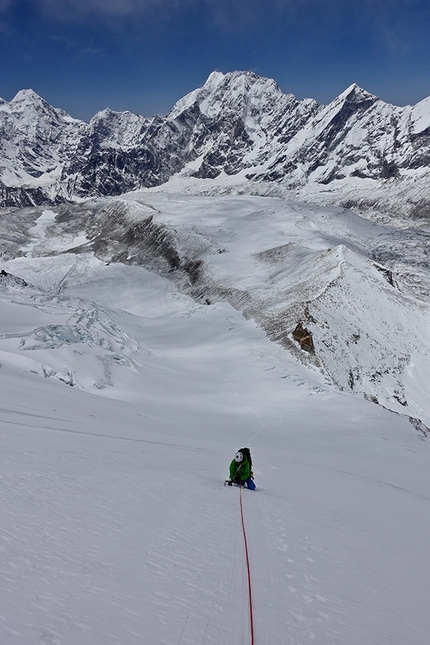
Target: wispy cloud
x=225, y=15
x=76, y=46
x=64, y=7
x=222, y=10
x=396, y=24
x=386, y=19
x=70, y=9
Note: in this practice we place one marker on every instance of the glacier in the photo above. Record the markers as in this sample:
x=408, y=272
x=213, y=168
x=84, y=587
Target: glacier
x=172, y=289
x=124, y=397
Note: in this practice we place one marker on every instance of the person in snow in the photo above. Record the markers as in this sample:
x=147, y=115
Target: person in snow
x=241, y=469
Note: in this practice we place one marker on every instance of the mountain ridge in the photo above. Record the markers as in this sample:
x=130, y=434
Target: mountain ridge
x=356, y=151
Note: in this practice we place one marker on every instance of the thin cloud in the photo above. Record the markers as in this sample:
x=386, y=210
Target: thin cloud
x=76, y=46
x=396, y=23
x=70, y=9
x=223, y=11
x=109, y=7
x=393, y=22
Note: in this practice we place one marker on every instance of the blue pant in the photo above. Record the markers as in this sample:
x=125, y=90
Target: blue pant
x=250, y=483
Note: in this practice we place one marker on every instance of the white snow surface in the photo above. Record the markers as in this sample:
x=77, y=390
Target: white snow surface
x=122, y=402
x=420, y=116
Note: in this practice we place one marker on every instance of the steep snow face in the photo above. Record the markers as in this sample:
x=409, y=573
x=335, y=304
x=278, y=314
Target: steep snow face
x=35, y=141
x=33, y=108
x=420, y=117
x=342, y=295
x=238, y=130
x=356, y=136
x=247, y=95
x=116, y=526
x=243, y=116
x=120, y=129
x=35, y=138
x=359, y=152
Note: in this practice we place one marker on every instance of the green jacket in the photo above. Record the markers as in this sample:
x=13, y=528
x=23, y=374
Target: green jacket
x=241, y=469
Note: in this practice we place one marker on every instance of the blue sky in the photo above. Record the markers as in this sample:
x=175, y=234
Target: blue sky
x=143, y=55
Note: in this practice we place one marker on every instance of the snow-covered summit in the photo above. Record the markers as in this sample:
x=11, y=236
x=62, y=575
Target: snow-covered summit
x=28, y=105
x=27, y=96
x=238, y=128
x=356, y=93
x=117, y=129
x=239, y=91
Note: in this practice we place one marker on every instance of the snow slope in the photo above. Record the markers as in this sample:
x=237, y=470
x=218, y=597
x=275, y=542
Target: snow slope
x=123, y=401
x=116, y=526
x=358, y=289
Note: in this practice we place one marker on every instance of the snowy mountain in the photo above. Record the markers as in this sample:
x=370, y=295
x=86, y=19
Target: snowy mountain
x=173, y=303
x=239, y=130
x=129, y=378
x=329, y=286
x=343, y=295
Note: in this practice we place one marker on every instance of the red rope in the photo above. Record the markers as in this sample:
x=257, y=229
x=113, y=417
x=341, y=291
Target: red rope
x=251, y=617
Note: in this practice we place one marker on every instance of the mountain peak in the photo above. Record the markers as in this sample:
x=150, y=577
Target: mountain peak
x=27, y=96
x=356, y=93
x=27, y=102
x=221, y=91
x=214, y=79
x=237, y=124
x=240, y=80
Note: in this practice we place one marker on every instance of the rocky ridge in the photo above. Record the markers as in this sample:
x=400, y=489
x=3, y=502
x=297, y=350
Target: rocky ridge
x=238, y=128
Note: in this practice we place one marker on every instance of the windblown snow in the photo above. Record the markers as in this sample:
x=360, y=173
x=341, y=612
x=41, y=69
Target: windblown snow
x=143, y=340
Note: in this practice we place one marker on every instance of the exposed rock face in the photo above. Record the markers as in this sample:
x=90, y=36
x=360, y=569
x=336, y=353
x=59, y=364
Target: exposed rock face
x=304, y=337
x=357, y=151
x=10, y=280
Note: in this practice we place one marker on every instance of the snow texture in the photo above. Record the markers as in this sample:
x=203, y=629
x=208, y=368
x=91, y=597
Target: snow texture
x=129, y=378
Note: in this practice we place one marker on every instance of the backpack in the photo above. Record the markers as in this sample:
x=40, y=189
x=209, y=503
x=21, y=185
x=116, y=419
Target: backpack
x=247, y=454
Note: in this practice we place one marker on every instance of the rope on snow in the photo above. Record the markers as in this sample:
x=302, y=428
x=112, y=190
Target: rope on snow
x=251, y=616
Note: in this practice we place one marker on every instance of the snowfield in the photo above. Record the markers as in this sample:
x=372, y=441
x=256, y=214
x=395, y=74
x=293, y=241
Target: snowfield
x=127, y=387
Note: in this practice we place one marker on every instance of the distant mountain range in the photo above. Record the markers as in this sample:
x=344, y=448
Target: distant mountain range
x=237, y=129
